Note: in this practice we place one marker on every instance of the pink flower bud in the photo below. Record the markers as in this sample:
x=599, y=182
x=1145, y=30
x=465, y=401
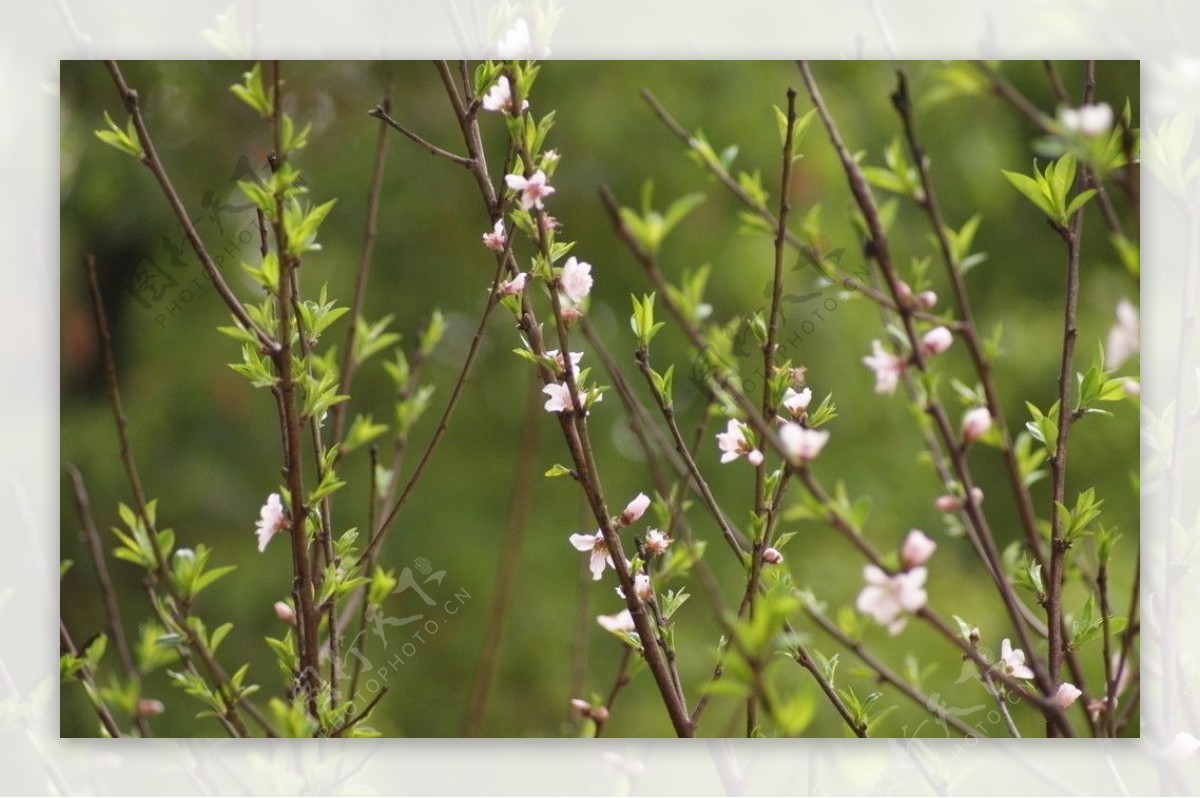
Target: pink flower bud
x=635, y=509
x=948, y=503
x=148, y=707
x=285, y=613
x=600, y=714
x=937, y=340
x=904, y=293
x=1067, y=694
x=916, y=549
x=771, y=556
x=976, y=422
x=927, y=300
x=581, y=706
x=755, y=457
x=571, y=314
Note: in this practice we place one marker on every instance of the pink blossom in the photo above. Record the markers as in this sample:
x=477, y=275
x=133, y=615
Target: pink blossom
x=733, y=444
x=557, y=357
x=621, y=622
x=927, y=300
x=801, y=443
x=975, y=424
x=937, y=340
x=497, y=239
x=889, y=599
x=655, y=543
x=635, y=509
x=641, y=588
x=772, y=556
x=887, y=367
x=1012, y=661
x=560, y=397
x=599, y=552
x=916, y=549
x=271, y=519
x=796, y=402
x=499, y=97
x=1067, y=695
x=576, y=279
x=533, y=189
x=514, y=286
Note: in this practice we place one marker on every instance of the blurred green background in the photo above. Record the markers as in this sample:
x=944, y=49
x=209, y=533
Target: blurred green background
x=207, y=443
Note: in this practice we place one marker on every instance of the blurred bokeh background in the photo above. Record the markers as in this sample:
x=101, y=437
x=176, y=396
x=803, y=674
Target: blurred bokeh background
x=206, y=442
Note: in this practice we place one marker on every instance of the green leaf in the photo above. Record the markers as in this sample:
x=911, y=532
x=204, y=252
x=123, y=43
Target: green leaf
x=1033, y=191
x=126, y=140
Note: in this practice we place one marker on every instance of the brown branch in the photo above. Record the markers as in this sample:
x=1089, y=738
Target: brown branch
x=968, y=328
x=293, y=468
x=130, y=98
x=379, y=112
x=159, y=573
x=879, y=250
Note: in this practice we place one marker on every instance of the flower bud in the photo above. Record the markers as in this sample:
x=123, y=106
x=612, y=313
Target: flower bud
x=904, y=293
x=755, y=458
x=916, y=549
x=285, y=613
x=635, y=509
x=571, y=315
x=976, y=422
x=937, y=340
x=1066, y=695
x=772, y=556
x=948, y=503
x=927, y=300
x=148, y=707
x=581, y=706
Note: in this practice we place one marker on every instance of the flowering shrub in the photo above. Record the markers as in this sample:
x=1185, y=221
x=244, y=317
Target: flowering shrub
x=1066, y=652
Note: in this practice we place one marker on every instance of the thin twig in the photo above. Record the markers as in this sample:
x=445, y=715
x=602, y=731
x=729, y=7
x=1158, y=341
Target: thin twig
x=108, y=594
x=85, y=677
x=130, y=98
x=370, y=234
x=380, y=113
x=518, y=520
x=289, y=420
x=879, y=249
